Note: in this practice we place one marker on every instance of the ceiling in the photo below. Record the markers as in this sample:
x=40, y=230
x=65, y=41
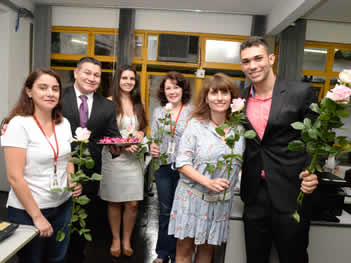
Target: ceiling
x=328, y=10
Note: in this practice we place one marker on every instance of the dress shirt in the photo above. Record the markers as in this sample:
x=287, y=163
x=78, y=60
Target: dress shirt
x=89, y=101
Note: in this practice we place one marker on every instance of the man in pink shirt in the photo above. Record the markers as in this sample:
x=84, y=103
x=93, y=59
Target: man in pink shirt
x=272, y=176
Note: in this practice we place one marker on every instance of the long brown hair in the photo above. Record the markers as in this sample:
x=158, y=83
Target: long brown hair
x=138, y=107
x=25, y=105
x=219, y=81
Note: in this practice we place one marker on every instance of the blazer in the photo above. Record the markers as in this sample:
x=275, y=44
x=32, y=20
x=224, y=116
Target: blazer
x=102, y=122
x=290, y=103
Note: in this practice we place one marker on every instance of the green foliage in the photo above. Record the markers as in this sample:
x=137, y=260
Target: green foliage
x=319, y=139
x=80, y=156
x=236, y=118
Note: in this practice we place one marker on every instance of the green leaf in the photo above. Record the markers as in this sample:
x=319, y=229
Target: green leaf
x=75, y=160
x=89, y=163
x=88, y=237
x=308, y=123
x=313, y=133
x=311, y=147
x=296, y=146
x=74, y=218
x=82, y=223
x=314, y=107
x=219, y=164
x=60, y=236
x=211, y=168
x=83, y=200
x=298, y=125
x=220, y=131
x=96, y=177
x=342, y=113
x=250, y=134
x=296, y=216
x=56, y=190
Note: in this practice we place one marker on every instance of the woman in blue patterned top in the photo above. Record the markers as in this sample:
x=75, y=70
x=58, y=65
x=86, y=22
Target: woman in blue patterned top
x=199, y=215
x=175, y=90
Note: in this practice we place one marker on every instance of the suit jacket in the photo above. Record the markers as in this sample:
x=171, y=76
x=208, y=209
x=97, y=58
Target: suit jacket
x=102, y=122
x=290, y=103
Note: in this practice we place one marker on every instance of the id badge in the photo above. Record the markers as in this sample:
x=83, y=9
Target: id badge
x=54, y=183
x=171, y=147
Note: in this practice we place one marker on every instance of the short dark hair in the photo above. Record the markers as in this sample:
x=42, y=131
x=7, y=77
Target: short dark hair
x=89, y=60
x=254, y=41
x=181, y=82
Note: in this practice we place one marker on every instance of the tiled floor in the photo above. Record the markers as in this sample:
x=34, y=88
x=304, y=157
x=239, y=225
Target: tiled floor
x=143, y=240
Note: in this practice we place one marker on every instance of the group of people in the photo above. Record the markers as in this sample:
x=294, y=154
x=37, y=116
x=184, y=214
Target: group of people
x=194, y=211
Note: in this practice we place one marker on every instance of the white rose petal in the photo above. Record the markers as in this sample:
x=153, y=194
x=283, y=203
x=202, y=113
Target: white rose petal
x=168, y=107
x=82, y=134
x=345, y=76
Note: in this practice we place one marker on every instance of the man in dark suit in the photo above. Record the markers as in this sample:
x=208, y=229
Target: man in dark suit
x=272, y=176
x=101, y=121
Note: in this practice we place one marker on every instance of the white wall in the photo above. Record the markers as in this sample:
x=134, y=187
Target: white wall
x=85, y=17
x=14, y=67
x=328, y=32
x=154, y=20
x=193, y=22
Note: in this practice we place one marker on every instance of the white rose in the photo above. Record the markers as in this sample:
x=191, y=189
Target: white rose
x=237, y=104
x=345, y=76
x=168, y=107
x=82, y=134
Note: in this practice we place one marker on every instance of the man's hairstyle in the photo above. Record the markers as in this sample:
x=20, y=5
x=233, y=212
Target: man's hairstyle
x=88, y=60
x=254, y=41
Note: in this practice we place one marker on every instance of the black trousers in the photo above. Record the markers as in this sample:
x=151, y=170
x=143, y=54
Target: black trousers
x=264, y=226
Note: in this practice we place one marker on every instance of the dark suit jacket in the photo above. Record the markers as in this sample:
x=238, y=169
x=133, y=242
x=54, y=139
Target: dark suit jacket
x=290, y=103
x=102, y=122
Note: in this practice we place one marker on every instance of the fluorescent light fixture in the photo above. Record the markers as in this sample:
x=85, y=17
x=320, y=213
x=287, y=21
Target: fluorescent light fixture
x=319, y=51
x=79, y=41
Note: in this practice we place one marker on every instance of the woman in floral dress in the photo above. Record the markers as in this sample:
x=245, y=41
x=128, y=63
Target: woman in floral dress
x=199, y=214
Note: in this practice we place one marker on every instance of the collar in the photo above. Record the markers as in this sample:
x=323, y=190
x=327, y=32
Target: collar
x=78, y=93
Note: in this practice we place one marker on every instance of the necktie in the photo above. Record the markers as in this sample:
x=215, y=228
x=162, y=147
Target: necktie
x=83, y=111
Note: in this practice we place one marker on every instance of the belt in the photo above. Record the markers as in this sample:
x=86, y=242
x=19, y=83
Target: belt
x=206, y=196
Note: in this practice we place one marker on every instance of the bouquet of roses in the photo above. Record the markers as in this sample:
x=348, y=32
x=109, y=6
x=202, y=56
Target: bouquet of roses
x=237, y=117
x=319, y=139
x=80, y=157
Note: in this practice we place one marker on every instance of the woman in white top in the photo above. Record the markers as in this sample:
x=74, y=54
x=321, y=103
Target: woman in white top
x=123, y=181
x=37, y=152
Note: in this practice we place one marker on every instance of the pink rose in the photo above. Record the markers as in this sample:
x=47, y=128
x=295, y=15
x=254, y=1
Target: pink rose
x=237, y=104
x=340, y=94
x=82, y=134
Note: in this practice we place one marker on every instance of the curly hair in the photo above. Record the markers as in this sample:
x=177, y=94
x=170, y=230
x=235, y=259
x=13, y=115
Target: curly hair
x=181, y=82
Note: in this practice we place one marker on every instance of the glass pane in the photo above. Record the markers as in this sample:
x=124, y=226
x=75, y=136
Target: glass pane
x=230, y=73
x=151, y=47
x=333, y=82
x=342, y=60
x=73, y=63
x=222, y=51
x=154, y=85
x=67, y=77
x=69, y=43
x=105, y=45
x=314, y=79
x=314, y=58
x=138, y=48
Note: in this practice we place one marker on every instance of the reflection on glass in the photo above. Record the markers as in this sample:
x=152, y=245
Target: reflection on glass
x=138, y=48
x=105, y=45
x=154, y=85
x=69, y=43
x=333, y=82
x=151, y=47
x=222, y=51
x=314, y=58
x=66, y=76
x=342, y=60
x=314, y=79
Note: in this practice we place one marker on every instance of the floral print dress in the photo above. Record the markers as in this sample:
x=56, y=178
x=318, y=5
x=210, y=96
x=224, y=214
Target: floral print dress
x=191, y=216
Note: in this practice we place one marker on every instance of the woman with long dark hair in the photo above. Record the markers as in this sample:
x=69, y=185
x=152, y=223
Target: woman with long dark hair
x=37, y=146
x=123, y=181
